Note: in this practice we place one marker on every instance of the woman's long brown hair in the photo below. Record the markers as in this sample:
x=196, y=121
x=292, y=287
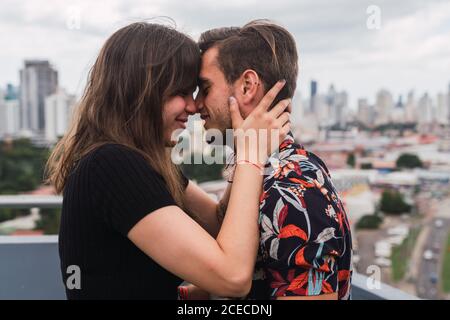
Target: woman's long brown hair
x=138, y=69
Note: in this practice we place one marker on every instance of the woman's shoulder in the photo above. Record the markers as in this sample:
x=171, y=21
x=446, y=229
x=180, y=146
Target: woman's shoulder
x=113, y=152
x=112, y=149
x=115, y=158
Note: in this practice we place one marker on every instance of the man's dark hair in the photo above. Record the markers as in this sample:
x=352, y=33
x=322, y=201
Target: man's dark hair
x=260, y=45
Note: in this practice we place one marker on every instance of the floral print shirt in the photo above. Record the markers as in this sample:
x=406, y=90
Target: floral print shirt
x=305, y=244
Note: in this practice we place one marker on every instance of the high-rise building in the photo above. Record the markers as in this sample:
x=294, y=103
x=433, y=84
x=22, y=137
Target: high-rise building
x=444, y=144
x=9, y=112
x=398, y=112
x=383, y=106
x=2, y=113
x=330, y=105
x=411, y=115
x=340, y=109
x=38, y=79
x=399, y=102
x=322, y=110
x=365, y=113
x=331, y=96
x=297, y=108
x=313, y=96
x=12, y=92
x=442, y=108
x=425, y=106
x=58, y=110
x=448, y=104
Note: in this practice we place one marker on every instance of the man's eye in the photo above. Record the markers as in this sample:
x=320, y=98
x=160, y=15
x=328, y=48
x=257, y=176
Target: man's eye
x=205, y=91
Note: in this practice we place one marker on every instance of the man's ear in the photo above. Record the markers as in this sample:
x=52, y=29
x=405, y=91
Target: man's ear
x=249, y=86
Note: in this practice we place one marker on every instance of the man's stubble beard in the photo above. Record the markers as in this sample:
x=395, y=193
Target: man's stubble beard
x=226, y=124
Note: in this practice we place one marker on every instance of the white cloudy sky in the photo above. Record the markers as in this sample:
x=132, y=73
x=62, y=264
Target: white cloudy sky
x=411, y=50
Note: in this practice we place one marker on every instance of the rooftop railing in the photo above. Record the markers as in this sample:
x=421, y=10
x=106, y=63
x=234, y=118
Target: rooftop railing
x=29, y=267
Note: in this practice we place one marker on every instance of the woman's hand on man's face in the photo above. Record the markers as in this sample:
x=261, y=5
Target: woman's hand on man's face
x=260, y=134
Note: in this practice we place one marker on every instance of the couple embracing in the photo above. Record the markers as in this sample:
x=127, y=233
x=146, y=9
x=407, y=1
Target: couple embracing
x=137, y=227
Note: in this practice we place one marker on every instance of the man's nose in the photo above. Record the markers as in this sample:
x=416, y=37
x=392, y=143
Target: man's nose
x=199, y=102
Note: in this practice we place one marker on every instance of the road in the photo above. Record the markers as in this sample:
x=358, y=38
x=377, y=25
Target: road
x=429, y=275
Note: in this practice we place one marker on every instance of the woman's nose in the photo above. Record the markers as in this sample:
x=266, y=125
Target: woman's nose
x=191, y=107
x=199, y=102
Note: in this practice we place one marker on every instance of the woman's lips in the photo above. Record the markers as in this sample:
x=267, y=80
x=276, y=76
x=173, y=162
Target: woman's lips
x=182, y=122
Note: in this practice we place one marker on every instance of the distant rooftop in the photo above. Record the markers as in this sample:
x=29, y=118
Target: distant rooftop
x=35, y=62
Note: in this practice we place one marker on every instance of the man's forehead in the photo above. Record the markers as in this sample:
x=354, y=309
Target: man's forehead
x=209, y=57
x=209, y=62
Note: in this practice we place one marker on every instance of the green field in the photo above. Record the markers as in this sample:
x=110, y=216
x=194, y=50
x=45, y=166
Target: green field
x=446, y=267
x=401, y=255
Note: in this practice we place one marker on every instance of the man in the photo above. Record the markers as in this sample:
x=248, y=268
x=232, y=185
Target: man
x=305, y=246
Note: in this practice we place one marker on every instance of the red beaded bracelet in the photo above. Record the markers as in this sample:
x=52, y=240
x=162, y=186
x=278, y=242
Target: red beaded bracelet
x=183, y=293
x=260, y=168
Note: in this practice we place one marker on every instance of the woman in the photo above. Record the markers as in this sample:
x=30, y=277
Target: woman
x=131, y=223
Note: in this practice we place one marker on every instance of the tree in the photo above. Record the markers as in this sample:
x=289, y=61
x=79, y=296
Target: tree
x=7, y=214
x=351, y=160
x=366, y=166
x=12, y=213
x=21, y=166
x=369, y=221
x=409, y=161
x=392, y=202
x=21, y=169
x=50, y=221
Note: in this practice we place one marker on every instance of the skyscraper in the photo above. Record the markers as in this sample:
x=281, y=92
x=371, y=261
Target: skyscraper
x=312, y=101
x=331, y=96
x=411, y=108
x=297, y=108
x=444, y=144
x=330, y=100
x=341, y=104
x=9, y=112
x=448, y=103
x=365, y=113
x=38, y=79
x=398, y=114
x=427, y=115
x=383, y=106
x=442, y=108
x=58, y=110
x=11, y=92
